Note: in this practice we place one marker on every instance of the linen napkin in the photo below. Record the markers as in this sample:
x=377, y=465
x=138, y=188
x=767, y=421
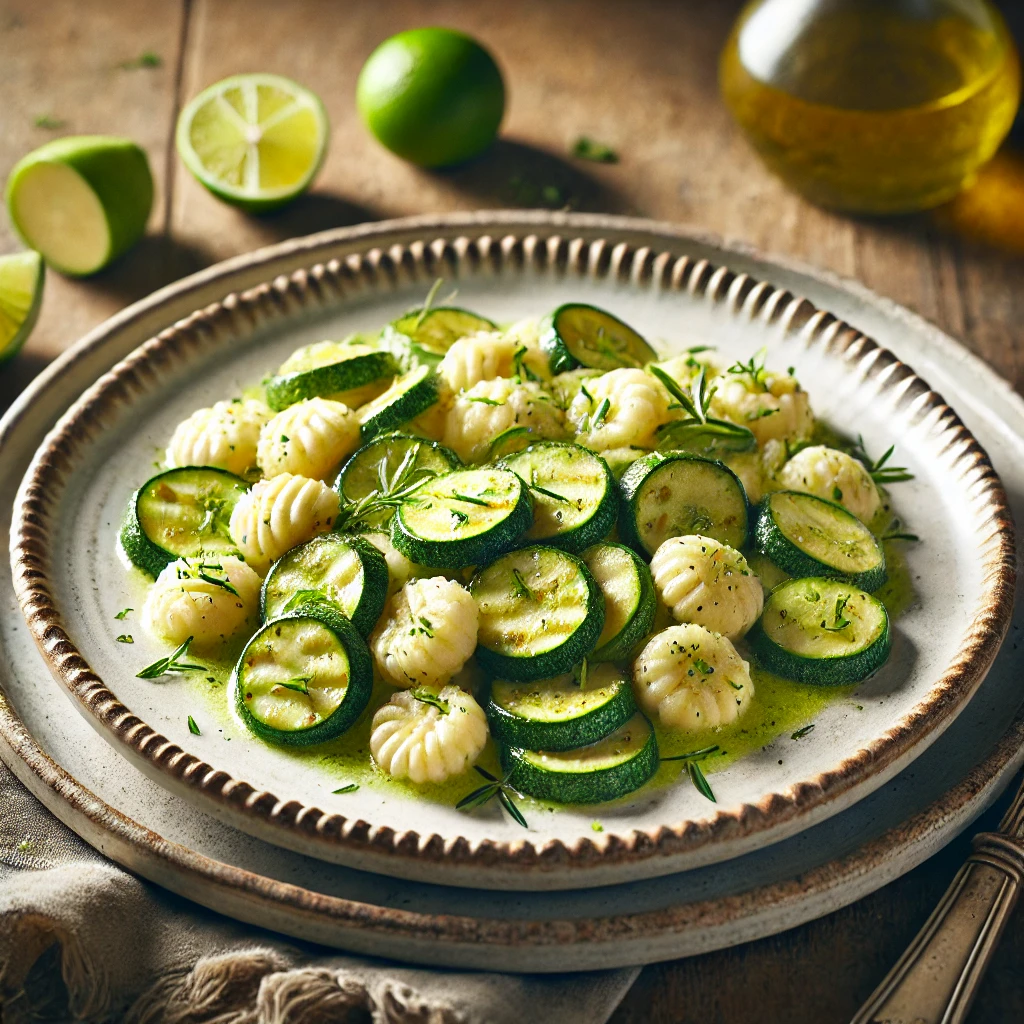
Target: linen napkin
x=82, y=939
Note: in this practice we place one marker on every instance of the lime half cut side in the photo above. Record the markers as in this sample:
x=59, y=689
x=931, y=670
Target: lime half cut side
x=255, y=141
x=21, y=295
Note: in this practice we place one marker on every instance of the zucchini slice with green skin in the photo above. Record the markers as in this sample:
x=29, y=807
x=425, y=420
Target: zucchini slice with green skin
x=630, y=600
x=580, y=335
x=410, y=395
x=466, y=517
x=436, y=330
x=303, y=678
x=345, y=571
x=821, y=631
x=181, y=513
x=611, y=768
x=561, y=713
x=808, y=536
x=338, y=368
x=674, y=494
x=374, y=468
x=575, y=500
x=541, y=612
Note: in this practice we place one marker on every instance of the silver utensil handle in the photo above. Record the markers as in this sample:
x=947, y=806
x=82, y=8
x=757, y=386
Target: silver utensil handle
x=935, y=980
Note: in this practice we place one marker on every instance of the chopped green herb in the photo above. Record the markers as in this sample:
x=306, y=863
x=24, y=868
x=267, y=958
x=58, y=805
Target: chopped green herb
x=460, y=517
x=123, y=613
x=800, y=733
x=484, y=401
x=520, y=587
x=837, y=493
x=694, y=755
x=125, y=638
x=598, y=152
x=494, y=788
x=597, y=826
x=300, y=684
x=840, y=621
x=602, y=411
x=703, y=667
x=425, y=696
x=285, y=439
x=350, y=788
x=700, y=783
x=192, y=727
x=753, y=367
x=881, y=472
x=472, y=500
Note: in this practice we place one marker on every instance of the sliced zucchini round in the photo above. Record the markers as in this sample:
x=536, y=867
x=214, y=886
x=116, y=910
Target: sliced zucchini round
x=391, y=461
x=181, y=513
x=434, y=331
x=326, y=370
x=606, y=770
x=580, y=335
x=630, y=600
x=575, y=500
x=808, y=536
x=303, y=678
x=821, y=631
x=561, y=713
x=345, y=571
x=674, y=494
x=541, y=612
x=408, y=397
x=466, y=517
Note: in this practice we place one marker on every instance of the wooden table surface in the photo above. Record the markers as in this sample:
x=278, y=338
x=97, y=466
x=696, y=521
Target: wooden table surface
x=639, y=76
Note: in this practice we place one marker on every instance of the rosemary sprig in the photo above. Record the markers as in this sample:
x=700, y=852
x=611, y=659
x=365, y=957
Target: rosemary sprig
x=691, y=762
x=350, y=788
x=881, y=472
x=697, y=430
x=494, y=788
x=425, y=696
x=472, y=500
x=534, y=486
x=407, y=477
x=164, y=666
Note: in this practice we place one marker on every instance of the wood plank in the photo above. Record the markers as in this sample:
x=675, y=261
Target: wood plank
x=62, y=60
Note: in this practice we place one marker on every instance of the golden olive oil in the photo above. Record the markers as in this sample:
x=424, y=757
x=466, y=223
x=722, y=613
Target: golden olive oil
x=875, y=107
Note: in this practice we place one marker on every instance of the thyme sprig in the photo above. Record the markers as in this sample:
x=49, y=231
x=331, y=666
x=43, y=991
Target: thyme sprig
x=880, y=470
x=494, y=787
x=691, y=762
x=752, y=368
x=172, y=663
x=697, y=430
x=392, y=491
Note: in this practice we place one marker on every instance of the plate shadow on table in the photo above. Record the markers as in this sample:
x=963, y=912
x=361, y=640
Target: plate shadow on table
x=313, y=212
x=516, y=174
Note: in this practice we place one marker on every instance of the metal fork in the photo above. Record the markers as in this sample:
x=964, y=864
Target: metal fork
x=936, y=979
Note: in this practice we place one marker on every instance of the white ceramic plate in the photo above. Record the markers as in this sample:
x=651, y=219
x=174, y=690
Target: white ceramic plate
x=71, y=502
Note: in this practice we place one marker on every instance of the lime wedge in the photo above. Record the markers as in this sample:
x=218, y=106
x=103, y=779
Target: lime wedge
x=21, y=295
x=255, y=141
x=81, y=201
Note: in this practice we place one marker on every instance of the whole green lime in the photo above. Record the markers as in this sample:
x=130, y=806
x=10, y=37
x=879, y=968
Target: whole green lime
x=433, y=96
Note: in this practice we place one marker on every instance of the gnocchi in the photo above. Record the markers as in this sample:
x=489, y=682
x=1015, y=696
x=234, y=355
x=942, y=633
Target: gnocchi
x=309, y=438
x=835, y=476
x=225, y=436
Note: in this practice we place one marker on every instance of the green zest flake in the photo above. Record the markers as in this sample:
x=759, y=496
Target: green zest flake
x=800, y=733
x=431, y=698
x=163, y=666
x=596, y=826
x=494, y=788
x=472, y=500
x=123, y=613
x=350, y=788
x=192, y=727
x=520, y=587
x=840, y=621
x=300, y=684
x=597, y=152
x=285, y=439
x=125, y=638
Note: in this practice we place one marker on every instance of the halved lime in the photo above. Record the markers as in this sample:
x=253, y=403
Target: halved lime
x=255, y=141
x=21, y=295
x=81, y=201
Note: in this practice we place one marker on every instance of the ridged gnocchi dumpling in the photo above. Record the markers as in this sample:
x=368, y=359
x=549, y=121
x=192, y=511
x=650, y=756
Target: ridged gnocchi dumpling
x=308, y=438
x=426, y=633
x=476, y=357
x=773, y=406
x=225, y=436
x=480, y=415
x=619, y=409
x=428, y=740
x=400, y=568
x=182, y=604
x=691, y=679
x=276, y=514
x=835, y=476
x=707, y=582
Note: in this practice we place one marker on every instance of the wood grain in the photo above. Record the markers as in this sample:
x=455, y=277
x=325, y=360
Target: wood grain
x=640, y=77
